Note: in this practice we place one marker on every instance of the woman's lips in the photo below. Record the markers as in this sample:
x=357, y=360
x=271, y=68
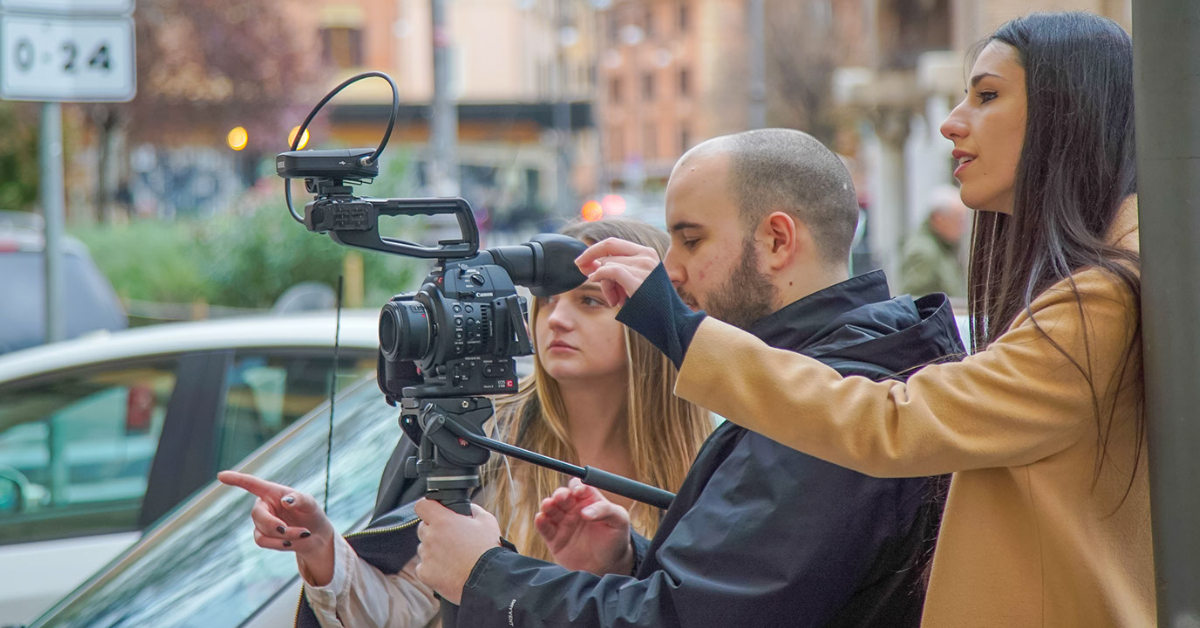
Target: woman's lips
x=964, y=159
x=560, y=345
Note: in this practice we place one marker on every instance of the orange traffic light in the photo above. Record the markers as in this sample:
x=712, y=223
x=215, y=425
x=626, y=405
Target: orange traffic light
x=592, y=211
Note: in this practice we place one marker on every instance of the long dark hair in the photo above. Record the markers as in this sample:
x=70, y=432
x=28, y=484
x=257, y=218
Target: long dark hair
x=1076, y=167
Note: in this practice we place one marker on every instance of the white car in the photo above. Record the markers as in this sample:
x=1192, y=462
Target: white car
x=200, y=566
x=103, y=435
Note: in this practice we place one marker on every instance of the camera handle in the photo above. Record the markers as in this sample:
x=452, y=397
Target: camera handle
x=355, y=222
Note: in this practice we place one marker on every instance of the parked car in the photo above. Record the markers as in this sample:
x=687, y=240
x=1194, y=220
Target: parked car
x=92, y=303
x=200, y=566
x=103, y=435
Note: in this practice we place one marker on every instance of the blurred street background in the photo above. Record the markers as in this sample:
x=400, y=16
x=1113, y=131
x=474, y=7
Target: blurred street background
x=561, y=109
x=193, y=329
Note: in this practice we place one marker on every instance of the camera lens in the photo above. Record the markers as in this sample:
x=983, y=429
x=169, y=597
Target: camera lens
x=387, y=331
x=404, y=331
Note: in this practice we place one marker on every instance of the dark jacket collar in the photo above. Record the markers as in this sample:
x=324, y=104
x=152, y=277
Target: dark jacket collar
x=794, y=325
x=855, y=323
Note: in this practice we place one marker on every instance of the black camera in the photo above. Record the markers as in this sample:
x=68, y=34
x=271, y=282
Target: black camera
x=458, y=334
x=443, y=348
x=453, y=341
x=465, y=325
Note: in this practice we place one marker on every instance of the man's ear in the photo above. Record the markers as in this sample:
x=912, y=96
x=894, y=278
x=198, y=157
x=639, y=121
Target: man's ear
x=784, y=237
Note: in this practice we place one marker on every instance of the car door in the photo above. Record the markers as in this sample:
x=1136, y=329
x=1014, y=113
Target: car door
x=249, y=395
x=200, y=566
x=77, y=445
x=75, y=455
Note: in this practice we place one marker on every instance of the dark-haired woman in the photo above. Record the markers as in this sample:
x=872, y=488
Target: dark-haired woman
x=1048, y=518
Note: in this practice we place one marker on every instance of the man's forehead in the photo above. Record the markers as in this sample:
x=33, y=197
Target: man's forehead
x=697, y=193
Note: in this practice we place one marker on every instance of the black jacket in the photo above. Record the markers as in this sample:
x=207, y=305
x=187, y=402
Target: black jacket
x=760, y=534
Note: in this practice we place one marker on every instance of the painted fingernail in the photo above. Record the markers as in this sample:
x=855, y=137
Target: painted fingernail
x=280, y=529
x=305, y=534
x=289, y=500
x=287, y=543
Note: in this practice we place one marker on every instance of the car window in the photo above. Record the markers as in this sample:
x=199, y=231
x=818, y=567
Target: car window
x=75, y=450
x=202, y=567
x=93, y=303
x=268, y=390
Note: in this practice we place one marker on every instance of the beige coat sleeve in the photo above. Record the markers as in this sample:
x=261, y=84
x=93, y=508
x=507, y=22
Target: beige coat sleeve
x=1019, y=401
x=361, y=596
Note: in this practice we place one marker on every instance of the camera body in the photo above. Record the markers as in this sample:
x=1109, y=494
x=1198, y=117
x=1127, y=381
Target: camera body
x=458, y=335
x=461, y=330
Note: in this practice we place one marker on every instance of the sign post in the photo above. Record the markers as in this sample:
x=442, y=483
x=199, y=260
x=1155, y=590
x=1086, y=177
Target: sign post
x=56, y=51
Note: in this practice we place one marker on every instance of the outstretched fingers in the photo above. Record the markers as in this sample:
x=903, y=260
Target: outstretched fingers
x=260, y=488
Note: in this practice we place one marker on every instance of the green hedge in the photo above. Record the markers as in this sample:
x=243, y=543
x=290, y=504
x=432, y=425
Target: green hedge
x=238, y=261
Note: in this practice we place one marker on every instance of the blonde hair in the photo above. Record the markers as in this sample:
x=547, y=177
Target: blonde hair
x=665, y=432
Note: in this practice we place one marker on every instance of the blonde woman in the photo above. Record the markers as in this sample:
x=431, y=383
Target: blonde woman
x=600, y=396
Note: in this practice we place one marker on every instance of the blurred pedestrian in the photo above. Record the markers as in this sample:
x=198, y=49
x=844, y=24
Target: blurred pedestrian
x=931, y=261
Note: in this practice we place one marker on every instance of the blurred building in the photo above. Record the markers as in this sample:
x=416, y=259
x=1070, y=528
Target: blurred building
x=523, y=76
x=673, y=73
x=660, y=83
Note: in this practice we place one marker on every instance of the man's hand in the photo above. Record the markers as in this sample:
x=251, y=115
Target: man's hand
x=289, y=521
x=450, y=546
x=619, y=266
x=585, y=531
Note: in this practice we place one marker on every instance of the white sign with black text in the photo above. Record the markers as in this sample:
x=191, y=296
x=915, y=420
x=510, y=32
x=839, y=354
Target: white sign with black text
x=73, y=7
x=66, y=59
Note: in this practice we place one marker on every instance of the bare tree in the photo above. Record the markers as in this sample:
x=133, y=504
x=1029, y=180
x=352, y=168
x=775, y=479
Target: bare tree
x=205, y=64
x=802, y=49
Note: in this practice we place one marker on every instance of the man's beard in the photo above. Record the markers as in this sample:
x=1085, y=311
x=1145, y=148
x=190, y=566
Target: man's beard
x=746, y=297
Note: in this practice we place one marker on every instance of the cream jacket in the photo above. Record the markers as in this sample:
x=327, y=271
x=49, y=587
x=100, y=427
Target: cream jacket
x=361, y=596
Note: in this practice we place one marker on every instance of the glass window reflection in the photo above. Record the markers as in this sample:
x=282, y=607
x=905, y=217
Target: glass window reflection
x=203, y=569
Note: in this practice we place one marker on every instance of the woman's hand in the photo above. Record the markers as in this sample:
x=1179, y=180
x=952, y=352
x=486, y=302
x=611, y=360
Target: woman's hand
x=289, y=521
x=584, y=531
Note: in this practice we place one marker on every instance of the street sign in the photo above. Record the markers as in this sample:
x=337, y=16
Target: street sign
x=66, y=59
x=72, y=7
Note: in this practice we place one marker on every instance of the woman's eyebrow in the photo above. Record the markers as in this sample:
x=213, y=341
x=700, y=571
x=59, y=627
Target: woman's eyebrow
x=982, y=75
x=590, y=287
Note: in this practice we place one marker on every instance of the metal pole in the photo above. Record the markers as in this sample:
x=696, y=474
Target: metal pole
x=562, y=117
x=50, y=154
x=756, y=18
x=443, y=126
x=1167, y=81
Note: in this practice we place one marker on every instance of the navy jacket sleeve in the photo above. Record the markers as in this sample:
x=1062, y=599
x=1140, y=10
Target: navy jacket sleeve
x=656, y=312
x=730, y=561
